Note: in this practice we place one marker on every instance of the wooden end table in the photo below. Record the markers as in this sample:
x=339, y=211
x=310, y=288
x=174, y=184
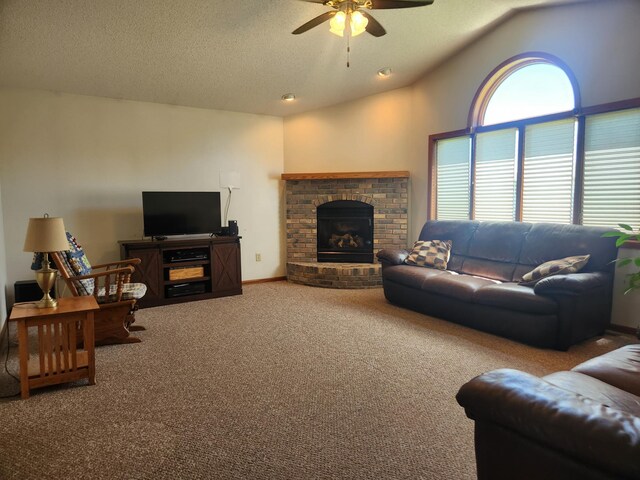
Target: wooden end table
x=59, y=359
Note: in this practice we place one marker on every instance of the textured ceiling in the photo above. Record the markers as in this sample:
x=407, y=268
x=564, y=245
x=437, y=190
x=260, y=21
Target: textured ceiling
x=236, y=55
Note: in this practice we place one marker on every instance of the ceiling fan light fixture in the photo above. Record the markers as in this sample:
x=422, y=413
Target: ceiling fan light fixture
x=288, y=97
x=358, y=23
x=337, y=23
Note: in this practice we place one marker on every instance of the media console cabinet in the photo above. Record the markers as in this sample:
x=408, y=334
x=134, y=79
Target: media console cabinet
x=184, y=270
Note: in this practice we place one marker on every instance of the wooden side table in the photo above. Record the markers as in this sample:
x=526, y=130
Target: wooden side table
x=59, y=359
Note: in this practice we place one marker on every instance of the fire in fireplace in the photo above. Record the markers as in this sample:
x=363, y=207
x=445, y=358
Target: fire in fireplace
x=345, y=232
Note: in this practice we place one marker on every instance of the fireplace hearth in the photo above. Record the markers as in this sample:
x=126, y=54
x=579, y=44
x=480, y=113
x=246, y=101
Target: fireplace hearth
x=345, y=232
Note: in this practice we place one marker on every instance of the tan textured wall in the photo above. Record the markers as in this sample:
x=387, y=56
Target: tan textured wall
x=88, y=159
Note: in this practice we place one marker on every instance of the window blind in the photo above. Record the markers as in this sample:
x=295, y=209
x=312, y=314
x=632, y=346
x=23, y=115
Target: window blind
x=453, y=157
x=495, y=175
x=612, y=169
x=548, y=172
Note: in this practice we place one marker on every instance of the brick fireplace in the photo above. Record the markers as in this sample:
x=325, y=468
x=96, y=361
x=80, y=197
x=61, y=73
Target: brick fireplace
x=386, y=192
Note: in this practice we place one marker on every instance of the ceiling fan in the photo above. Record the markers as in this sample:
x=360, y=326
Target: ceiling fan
x=351, y=15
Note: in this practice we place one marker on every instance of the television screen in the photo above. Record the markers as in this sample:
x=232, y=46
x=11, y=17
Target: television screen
x=181, y=213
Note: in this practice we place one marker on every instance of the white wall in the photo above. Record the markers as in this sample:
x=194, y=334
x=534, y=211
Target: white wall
x=88, y=159
x=600, y=42
x=626, y=308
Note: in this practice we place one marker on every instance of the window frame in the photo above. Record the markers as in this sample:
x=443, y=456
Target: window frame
x=498, y=75
x=579, y=114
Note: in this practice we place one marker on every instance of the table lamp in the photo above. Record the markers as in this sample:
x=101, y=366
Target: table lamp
x=44, y=235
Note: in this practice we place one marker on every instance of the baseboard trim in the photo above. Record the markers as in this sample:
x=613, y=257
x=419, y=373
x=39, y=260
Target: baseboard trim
x=623, y=329
x=264, y=280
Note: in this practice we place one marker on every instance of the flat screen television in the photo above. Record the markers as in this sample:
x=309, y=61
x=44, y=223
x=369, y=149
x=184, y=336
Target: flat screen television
x=181, y=213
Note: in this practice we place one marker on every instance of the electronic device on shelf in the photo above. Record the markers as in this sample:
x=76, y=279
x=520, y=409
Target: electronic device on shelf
x=181, y=213
x=187, y=256
x=182, y=289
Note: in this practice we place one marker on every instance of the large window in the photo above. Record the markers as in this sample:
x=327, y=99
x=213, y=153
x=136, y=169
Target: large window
x=531, y=154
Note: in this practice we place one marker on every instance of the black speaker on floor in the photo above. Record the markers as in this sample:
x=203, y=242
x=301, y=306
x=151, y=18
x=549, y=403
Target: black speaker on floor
x=28, y=291
x=233, y=228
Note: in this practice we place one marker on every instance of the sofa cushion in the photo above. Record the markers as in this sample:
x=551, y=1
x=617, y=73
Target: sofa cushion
x=130, y=291
x=488, y=269
x=430, y=253
x=460, y=232
x=460, y=287
x=410, y=276
x=620, y=368
x=555, y=267
x=499, y=241
x=547, y=241
x=515, y=297
x=596, y=390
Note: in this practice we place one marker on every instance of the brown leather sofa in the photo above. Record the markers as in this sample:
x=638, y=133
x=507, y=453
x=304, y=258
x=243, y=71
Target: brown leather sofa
x=582, y=424
x=479, y=289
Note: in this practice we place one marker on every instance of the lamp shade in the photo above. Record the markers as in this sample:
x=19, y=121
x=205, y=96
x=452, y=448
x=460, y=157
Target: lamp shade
x=46, y=234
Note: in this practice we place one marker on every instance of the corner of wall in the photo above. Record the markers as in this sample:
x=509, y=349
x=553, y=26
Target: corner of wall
x=3, y=270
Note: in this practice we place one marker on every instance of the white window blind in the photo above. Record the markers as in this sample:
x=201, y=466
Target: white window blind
x=452, y=177
x=548, y=172
x=612, y=169
x=495, y=175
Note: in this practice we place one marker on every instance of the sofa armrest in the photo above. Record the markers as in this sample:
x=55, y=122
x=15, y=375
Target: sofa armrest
x=572, y=284
x=564, y=421
x=392, y=256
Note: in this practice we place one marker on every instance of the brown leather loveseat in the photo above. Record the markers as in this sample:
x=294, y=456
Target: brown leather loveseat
x=583, y=424
x=479, y=288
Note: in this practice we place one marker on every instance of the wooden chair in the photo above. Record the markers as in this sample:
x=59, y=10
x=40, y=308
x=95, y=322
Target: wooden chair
x=110, y=284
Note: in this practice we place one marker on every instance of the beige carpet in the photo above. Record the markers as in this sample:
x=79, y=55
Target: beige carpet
x=286, y=381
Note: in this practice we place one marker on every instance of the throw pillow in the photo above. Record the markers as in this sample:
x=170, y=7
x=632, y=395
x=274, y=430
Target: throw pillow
x=80, y=265
x=430, y=253
x=554, y=267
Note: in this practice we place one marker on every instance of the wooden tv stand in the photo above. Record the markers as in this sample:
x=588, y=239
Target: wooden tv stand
x=184, y=270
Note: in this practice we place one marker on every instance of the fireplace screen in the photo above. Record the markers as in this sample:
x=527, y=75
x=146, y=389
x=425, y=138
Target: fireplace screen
x=345, y=232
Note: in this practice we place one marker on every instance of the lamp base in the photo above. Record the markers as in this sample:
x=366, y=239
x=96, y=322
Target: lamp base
x=46, y=278
x=47, y=302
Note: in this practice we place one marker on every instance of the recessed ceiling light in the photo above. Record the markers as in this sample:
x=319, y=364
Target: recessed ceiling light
x=288, y=97
x=384, y=72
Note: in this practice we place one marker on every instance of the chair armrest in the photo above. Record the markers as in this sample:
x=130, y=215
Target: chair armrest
x=564, y=421
x=392, y=256
x=572, y=284
x=128, y=261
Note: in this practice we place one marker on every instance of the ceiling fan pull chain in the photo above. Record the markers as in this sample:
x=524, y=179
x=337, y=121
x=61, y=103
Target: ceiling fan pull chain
x=348, y=50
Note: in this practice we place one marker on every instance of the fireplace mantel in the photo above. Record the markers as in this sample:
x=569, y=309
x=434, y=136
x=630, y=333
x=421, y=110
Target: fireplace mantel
x=340, y=175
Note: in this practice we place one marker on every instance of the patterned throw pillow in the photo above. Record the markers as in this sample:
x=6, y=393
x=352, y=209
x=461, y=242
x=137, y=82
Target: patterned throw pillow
x=554, y=267
x=431, y=253
x=79, y=263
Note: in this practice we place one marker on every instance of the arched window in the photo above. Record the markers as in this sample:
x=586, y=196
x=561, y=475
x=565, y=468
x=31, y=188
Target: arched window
x=526, y=86
x=531, y=153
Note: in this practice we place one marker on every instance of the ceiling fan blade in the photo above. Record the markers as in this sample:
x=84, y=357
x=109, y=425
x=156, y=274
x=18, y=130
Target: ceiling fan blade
x=374, y=27
x=381, y=4
x=313, y=22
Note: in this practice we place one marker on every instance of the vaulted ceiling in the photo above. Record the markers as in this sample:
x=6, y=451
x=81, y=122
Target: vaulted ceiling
x=236, y=55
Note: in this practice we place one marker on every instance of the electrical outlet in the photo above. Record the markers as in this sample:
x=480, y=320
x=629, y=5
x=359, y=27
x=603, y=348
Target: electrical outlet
x=258, y=257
